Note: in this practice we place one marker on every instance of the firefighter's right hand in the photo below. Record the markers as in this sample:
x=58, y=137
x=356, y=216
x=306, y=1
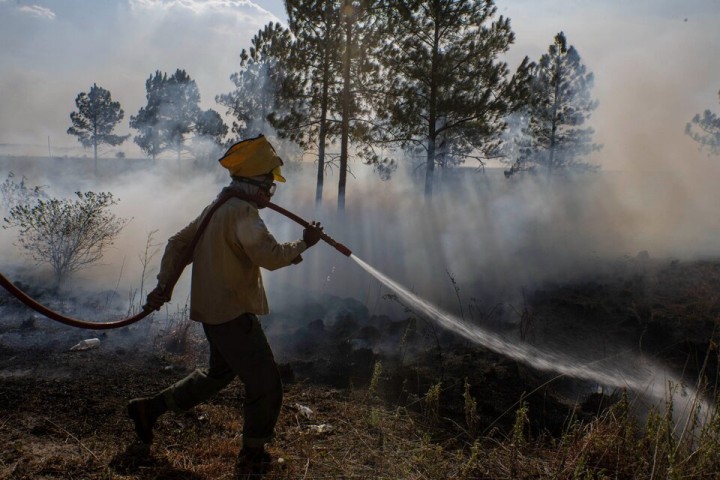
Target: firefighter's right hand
x=156, y=299
x=312, y=234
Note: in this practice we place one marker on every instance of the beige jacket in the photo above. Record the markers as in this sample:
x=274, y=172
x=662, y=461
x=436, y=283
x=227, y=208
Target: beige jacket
x=226, y=279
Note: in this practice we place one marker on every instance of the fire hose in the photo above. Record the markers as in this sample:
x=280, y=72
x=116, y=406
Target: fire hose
x=187, y=258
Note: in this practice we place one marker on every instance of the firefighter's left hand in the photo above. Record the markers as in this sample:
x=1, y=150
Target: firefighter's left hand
x=312, y=234
x=156, y=299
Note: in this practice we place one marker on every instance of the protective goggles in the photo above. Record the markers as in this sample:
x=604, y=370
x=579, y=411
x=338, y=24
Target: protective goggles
x=269, y=187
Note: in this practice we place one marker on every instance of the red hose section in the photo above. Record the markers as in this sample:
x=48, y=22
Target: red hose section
x=74, y=322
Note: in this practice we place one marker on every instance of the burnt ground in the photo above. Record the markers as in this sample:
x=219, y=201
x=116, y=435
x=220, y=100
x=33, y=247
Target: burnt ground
x=389, y=396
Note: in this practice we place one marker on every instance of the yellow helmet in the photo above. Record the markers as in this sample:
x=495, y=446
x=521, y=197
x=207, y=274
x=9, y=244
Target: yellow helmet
x=252, y=157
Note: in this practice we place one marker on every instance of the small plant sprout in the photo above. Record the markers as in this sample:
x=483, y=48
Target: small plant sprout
x=432, y=402
x=471, y=415
x=375, y=379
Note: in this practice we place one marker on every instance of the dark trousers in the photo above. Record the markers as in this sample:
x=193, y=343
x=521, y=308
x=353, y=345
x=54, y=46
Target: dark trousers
x=237, y=348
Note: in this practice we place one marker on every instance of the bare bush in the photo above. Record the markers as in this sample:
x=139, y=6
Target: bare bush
x=67, y=234
x=14, y=192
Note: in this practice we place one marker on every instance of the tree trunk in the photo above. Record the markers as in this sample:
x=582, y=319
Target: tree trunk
x=321, y=162
x=432, y=117
x=95, y=156
x=323, y=128
x=551, y=156
x=95, y=148
x=430, y=166
x=264, y=101
x=345, y=125
x=553, y=127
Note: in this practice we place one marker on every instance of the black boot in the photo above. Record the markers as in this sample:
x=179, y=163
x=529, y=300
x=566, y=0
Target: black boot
x=145, y=412
x=253, y=462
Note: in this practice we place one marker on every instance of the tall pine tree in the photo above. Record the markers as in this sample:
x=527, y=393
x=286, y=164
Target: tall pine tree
x=258, y=82
x=361, y=34
x=172, y=114
x=95, y=119
x=180, y=110
x=148, y=121
x=556, y=137
x=313, y=82
x=447, y=90
x=325, y=87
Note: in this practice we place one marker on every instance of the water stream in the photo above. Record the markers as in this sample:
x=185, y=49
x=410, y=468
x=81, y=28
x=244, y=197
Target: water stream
x=633, y=372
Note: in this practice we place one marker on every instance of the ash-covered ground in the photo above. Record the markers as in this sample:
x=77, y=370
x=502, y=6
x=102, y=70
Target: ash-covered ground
x=62, y=411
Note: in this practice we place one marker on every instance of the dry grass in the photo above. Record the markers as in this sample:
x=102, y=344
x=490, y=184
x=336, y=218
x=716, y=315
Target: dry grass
x=62, y=415
x=61, y=429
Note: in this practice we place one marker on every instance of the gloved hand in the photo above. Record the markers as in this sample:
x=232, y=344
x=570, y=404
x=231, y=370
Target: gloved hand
x=156, y=299
x=312, y=234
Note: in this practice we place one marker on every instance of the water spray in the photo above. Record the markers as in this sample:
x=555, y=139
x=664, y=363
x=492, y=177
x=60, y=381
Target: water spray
x=226, y=195
x=644, y=377
x=637, y=374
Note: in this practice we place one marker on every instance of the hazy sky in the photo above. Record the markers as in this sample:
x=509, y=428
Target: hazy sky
x=656, y=62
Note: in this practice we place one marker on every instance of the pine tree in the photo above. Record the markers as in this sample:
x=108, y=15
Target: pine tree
x=208, y=143
x=556, y=138
x=447, y=90
x=148, y=121
x=96, y=118
x=313, y=81
x=172, y=113
x=210, y=124
x=180, y=110
x=258, y=82
x=361, y=34
x=326, y=84
x=705, y=130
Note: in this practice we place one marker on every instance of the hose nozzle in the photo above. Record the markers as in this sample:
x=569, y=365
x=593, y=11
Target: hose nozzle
x=336, y=245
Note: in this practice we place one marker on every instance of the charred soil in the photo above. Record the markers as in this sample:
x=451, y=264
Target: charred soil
x=374, y=397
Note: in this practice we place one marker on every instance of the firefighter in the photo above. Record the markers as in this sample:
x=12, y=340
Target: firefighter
x=226, y=296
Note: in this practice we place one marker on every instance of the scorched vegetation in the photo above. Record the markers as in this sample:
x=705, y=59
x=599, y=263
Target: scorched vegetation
x=377, y=397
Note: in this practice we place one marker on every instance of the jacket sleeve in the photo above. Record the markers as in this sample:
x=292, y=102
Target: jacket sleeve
x=172, y=264
x=260, y=245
